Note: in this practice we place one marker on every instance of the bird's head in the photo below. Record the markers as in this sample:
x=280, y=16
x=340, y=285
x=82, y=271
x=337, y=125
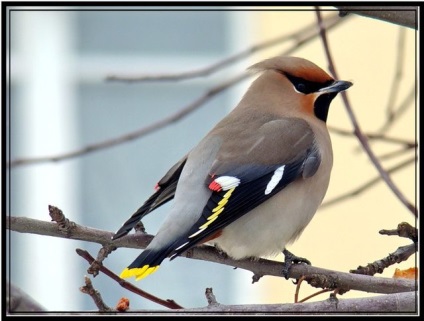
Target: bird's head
x=303, y=81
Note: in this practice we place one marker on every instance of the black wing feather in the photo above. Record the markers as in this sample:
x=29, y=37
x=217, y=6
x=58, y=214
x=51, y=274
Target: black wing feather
x=166, y=192
x=245, y=197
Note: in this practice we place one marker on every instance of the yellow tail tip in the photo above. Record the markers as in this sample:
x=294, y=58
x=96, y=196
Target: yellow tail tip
x=138, y=273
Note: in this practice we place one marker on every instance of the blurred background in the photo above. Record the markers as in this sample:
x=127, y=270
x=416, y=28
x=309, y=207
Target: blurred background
x=60, y=101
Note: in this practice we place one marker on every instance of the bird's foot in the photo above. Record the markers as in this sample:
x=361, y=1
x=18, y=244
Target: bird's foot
x=289, y=260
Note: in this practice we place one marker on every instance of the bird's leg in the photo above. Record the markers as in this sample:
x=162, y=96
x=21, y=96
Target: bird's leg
x=289, y=259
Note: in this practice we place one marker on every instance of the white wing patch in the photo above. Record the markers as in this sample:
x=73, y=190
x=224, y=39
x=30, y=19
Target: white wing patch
x=275, y=179
x=227, y=182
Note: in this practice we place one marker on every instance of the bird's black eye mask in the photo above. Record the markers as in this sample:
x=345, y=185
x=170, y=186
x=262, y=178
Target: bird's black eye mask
x=306, y=86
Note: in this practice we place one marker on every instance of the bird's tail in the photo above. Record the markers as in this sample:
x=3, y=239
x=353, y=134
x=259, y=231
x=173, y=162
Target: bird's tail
x=145, y=264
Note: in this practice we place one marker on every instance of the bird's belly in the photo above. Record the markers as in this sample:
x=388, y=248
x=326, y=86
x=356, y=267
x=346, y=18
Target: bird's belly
x=267, y=229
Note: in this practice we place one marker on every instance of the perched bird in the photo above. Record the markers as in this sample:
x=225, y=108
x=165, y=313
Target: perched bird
x=255, y=181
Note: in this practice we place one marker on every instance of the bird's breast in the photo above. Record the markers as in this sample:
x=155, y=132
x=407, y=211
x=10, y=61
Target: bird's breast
x=268, y=228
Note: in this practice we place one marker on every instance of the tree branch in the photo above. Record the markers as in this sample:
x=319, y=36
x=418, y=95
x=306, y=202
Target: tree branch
x=257, y=266
x=402, y=302
x=171, y=304
x=362, y=139
x=357, y=191
x=382, y=304
x=295, y=36
x=302, y=37
x=401, y=15
x=95, y=295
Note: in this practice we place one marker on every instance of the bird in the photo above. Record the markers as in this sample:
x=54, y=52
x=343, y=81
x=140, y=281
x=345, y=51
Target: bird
x=255, y=181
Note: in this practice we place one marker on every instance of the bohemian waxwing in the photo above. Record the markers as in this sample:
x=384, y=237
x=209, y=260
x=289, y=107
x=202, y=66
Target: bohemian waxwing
x=255, y=181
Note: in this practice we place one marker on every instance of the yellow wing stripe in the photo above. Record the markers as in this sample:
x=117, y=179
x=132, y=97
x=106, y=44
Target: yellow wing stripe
x=216, y=213
x=207, y=223
x=220, y=204
x=139, y=273
x=228, y=194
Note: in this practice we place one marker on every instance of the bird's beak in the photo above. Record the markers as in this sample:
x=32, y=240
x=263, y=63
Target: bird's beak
x=336, y=87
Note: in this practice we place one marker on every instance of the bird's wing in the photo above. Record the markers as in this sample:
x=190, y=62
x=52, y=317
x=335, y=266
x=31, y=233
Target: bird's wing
x=165, y=191
x=247, y=173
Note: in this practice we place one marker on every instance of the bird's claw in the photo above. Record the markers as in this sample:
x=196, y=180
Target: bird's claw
x=289, y=260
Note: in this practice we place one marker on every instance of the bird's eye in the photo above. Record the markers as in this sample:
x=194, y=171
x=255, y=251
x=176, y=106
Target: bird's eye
x=301, y=87
x=306, y=86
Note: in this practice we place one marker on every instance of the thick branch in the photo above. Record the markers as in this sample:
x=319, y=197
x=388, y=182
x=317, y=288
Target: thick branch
x=402, y=302
x=207, y=253
x=401, y=15
x=382, y=304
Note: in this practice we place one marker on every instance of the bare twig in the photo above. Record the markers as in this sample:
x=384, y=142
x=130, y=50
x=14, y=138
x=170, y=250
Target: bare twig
x=65, y=225
x=357, y=191
x=404, y=229
x=403, y=106
x=397, y=77
x=210, y=297
x=126, y=285
x=301, y=39
x=395, y=153
x=95, y=295
x=97, y=264
x=296, y=293
x=400, y=255
x=330, y=20
x=363, y=140
x=370, y=136
x=314, y=294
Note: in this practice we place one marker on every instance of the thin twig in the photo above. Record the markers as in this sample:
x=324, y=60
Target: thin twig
x=397, y=77
x=64, y=224
x=296, y=293
x=138, y=133
x=301, y=39
x=370, y=136
x=95, y=295
x=126, y=285
x=314, y=294
x=357, y=191
x=403, y=106
x=400, y=255
x=225, y=62
x=395, y=153
x=362, y=139
x=210, y=297
x=403, y=229
x=96, y=265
